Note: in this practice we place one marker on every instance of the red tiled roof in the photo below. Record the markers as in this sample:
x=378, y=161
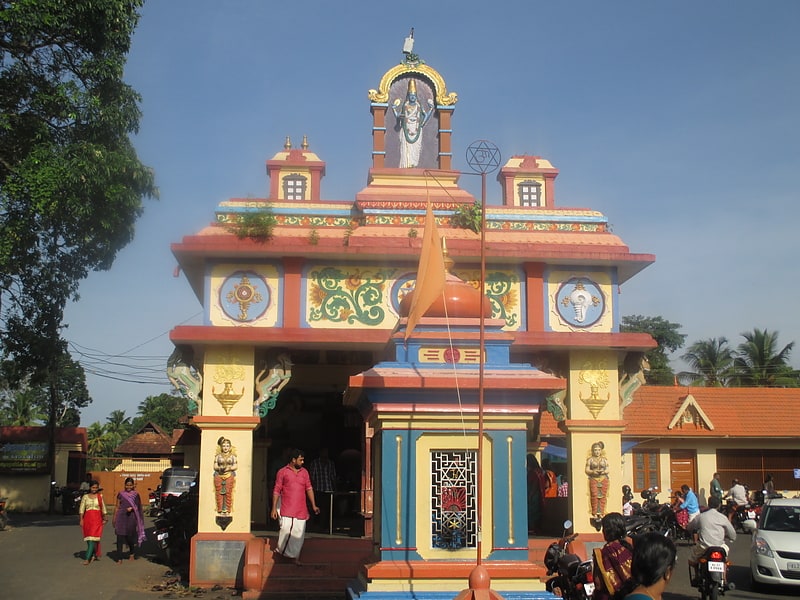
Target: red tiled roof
x=149, y=440
x=729, y=412
x=732, y=412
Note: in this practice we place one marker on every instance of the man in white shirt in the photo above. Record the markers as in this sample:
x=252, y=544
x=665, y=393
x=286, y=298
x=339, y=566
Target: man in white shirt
x=738, y=494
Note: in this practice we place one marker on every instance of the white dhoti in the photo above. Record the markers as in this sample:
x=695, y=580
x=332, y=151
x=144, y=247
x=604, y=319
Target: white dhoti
x=291, y=536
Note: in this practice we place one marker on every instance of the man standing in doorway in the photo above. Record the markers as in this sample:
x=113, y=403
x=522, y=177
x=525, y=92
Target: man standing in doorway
x=716, y=487
x=292, y=487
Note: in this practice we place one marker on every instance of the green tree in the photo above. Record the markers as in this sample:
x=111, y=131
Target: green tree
x=711, y=361
x=71, y=184
x=165, y=410
x=117, y=428
x=21, y=409
x=759, y=363
x=667, y=337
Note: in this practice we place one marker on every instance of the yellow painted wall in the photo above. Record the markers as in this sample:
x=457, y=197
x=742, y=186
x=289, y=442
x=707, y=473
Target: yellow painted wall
x=603, y=281
x=268, y=283
x=231, y=368
x=242, y=440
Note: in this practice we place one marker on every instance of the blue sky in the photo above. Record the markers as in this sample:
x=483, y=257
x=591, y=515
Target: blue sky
x=678, y=120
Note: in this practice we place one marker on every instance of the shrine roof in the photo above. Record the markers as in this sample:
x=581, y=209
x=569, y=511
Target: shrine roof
x=704, y=413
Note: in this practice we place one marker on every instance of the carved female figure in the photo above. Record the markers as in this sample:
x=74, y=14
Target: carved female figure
x=224, y=475
x=597, y=469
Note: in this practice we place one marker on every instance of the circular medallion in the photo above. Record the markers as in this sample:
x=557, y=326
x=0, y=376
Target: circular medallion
x=580, y=302
x=244, y=296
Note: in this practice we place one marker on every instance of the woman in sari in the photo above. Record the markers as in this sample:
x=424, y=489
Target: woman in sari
x=93, y=516
x=128, y=521
x=612, y=562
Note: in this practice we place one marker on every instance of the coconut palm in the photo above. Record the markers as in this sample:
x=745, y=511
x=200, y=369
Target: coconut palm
x=760, y=364
x=711, y=361
x=22, y=409
x=99, y=440
x=117, y=428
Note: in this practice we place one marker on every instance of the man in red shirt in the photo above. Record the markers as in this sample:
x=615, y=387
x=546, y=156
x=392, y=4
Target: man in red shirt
x=292, y=487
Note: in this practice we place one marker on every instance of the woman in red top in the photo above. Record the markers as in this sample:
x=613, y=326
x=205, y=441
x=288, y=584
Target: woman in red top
x=93, y=516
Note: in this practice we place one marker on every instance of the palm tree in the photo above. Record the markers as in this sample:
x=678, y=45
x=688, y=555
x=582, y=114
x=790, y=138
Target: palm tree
x=98, y=439
x=21, y=409
x=759, y=364
x=117, y=428
x=711, y=361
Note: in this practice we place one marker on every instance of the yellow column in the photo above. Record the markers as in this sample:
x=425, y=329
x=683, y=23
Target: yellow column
x=593, y=436
x=226, y=465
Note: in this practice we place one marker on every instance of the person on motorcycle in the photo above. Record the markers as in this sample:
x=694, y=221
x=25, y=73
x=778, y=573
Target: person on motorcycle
x=627, y=498
x=738, y=494
x=689, y=502
x=713, y=529
x=612, y=562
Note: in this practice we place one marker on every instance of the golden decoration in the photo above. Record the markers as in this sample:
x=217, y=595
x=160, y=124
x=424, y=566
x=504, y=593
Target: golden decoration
x=443, y=98
x=227, y=397
x=596, y=377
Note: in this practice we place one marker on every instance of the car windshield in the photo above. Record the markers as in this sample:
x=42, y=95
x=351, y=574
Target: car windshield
x=781, y=518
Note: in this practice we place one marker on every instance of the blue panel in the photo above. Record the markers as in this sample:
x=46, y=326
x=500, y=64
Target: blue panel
x=389, y=497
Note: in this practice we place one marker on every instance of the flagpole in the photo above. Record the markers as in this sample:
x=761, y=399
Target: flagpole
x=482, y=351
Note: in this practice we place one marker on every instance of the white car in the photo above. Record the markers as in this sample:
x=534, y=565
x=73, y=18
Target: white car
x=775, y=551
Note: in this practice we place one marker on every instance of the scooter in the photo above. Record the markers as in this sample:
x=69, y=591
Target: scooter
x=711, y=579
x=3, y=515
x=573, y=579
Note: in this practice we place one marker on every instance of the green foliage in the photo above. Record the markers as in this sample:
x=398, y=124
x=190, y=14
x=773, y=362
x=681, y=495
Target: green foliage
x=26, y=400
x=468, y=216
x=668, y=339
x=711, y=361
x=165, y=410
x=256, y=225
x=71, y=183
x=759, y=363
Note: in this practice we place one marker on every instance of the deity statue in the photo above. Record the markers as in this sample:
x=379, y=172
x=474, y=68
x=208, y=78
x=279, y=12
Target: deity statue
x=411, y=118
x=225, y=465
x=597, y=469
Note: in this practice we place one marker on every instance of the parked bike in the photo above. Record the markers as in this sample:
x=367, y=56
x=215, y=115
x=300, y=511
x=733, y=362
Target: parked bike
x=3, y=515
x=711, y=579
x=175, y=524
x=573, y=576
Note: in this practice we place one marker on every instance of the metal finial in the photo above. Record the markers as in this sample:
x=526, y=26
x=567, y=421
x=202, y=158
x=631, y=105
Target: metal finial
x=304, y=145
x=287, y=145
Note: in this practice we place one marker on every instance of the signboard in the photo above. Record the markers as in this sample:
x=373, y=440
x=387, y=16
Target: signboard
x=797, y=473
x=220, y=561
x=23, y=457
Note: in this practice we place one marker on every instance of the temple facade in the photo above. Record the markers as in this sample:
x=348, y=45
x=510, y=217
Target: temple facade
x=303, y=344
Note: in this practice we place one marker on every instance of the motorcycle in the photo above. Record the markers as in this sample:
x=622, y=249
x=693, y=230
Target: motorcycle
x=175, y=524
x=3, y=515
x=745, y=512
x=153, y=501
x=711, y=579
x=574, y=579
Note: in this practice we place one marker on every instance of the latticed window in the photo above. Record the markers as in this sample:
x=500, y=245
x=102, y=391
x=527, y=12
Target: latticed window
x=530, y=193
x=454, y=503
x=294, y=187
x=645, y=469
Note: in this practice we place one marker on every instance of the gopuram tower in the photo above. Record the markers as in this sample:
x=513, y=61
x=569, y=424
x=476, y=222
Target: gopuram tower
x=305, y=343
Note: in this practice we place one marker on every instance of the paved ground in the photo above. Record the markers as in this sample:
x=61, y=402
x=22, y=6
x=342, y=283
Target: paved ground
x=41, y=558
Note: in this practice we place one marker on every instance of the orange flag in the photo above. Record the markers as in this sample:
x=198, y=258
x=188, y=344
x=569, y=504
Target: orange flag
x=430, y=273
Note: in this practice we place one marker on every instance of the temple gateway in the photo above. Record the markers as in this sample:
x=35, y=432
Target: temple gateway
x=306, y=343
